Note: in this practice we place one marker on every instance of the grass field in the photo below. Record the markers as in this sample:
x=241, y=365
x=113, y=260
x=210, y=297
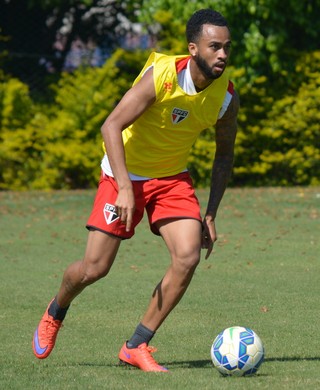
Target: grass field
x=264, y=274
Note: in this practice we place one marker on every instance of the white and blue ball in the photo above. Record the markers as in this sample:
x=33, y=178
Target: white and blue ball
x=237, y=351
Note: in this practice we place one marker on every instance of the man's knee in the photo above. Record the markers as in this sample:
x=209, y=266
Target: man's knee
x=93, y=270
x=187, y=261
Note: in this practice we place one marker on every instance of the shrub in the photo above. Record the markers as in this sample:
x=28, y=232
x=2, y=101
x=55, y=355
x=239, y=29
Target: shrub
x=284, y=148
x=16, y=110
x=59, y=146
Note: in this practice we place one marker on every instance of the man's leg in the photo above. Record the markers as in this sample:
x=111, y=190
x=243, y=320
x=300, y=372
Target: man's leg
x=100, y=253
x=183, y=239
x=99, y=256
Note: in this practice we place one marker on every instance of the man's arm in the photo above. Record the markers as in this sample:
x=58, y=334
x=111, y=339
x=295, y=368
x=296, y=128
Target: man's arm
x=133, y=104
x=226, y=129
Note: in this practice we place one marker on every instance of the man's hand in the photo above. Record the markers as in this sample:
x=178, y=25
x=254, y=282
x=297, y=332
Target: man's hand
x=209, y=234
x=125, y=205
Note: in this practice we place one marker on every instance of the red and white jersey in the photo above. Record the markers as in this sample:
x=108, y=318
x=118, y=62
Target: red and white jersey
x=206, y=117
x=186, y=83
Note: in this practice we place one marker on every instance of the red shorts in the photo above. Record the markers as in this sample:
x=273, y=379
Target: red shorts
x=169, y=197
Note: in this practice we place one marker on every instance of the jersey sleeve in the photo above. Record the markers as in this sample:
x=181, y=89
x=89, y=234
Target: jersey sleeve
x=227, y=100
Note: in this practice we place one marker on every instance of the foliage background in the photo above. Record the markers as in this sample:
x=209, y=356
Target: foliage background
x=52, y=139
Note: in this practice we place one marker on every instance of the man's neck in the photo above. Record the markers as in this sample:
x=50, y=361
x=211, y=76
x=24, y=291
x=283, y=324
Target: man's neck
x=199, y=80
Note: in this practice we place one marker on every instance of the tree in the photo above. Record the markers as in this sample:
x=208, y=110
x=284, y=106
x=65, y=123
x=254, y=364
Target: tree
x=284, y=148
x=40, y=33
x=268, y=35
x=60, y=146
x=274, y=67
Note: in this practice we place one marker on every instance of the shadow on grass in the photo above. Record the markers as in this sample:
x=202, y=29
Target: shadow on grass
x=181, y=364
x=206, y=363
x=293, y=359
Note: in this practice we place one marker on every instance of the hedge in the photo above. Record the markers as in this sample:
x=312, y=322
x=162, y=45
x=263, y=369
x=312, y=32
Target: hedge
x=59, y=145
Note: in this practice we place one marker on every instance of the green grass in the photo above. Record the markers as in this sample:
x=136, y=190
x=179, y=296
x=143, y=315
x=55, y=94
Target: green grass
x=264, y=274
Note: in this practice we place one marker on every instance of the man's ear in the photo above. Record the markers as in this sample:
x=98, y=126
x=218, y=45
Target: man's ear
x=193, y=50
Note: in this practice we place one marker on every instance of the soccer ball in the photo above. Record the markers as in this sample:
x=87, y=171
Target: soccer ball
x=237, y=351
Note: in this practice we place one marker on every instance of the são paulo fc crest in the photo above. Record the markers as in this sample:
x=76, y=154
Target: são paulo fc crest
x=178, y=115
x=110, y=213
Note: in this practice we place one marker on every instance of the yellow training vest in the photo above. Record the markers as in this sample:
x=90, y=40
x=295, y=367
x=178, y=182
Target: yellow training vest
x=158, y=143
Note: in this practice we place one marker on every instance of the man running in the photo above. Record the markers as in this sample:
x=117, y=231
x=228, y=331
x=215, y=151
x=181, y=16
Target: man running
x=147, y=138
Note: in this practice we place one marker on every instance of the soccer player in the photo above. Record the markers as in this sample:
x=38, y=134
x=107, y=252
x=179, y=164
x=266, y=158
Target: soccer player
x=147, y=138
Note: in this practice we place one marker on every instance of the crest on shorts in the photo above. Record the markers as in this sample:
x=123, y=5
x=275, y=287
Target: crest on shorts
x=110, y=213
x=178, y=115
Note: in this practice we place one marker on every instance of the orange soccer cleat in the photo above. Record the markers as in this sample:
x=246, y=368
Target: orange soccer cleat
x=140, y=357
x=45, y=335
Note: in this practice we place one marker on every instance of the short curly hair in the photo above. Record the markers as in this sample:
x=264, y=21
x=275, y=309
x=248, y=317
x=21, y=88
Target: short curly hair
x=201, y=17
